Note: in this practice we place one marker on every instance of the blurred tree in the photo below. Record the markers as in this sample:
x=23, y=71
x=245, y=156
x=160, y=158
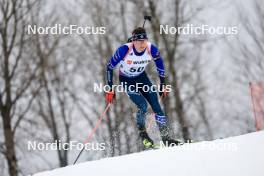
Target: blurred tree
x=17, y=74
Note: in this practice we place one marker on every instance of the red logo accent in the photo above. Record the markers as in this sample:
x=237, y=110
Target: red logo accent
x=129, y=61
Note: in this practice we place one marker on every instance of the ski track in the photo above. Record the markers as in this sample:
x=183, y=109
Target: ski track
x=244, y=159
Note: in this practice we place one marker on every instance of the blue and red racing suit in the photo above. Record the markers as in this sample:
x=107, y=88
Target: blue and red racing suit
x=132, y=71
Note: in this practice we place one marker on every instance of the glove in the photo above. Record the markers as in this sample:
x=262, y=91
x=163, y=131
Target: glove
x=109, y=96
x=162, y=91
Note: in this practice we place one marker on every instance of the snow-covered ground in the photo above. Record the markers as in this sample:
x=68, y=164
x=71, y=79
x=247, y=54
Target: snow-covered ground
x=235, y=156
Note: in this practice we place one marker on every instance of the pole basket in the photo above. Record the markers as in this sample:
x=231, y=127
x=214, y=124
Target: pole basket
x=257, y=97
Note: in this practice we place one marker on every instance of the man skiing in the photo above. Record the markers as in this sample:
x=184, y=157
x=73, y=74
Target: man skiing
x=133, y=58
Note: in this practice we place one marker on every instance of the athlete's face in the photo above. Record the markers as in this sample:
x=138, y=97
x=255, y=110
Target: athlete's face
x=140, y=45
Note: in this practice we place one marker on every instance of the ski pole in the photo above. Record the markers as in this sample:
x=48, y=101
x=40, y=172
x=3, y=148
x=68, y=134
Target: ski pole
x=98, y=123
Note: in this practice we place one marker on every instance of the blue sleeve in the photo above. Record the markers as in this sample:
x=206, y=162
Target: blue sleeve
x=113, y=61
x=117, y=57
x=158, y=62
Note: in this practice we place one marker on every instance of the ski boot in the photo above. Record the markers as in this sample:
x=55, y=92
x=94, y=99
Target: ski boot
x=147, y=141
x=166, y=139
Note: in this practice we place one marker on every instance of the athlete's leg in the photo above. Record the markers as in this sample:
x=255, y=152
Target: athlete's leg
x=142, y=105
x=152, y=98
x=161, y=119
x=138, y=99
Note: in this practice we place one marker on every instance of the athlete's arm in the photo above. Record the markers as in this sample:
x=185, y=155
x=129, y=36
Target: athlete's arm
x=158, y=62
x=113, y=61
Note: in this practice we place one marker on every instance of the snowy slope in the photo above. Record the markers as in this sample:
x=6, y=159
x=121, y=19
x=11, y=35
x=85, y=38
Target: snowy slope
x=234, y=156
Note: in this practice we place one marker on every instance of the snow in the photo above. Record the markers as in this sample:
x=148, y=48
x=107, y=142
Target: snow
x=235, y=156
